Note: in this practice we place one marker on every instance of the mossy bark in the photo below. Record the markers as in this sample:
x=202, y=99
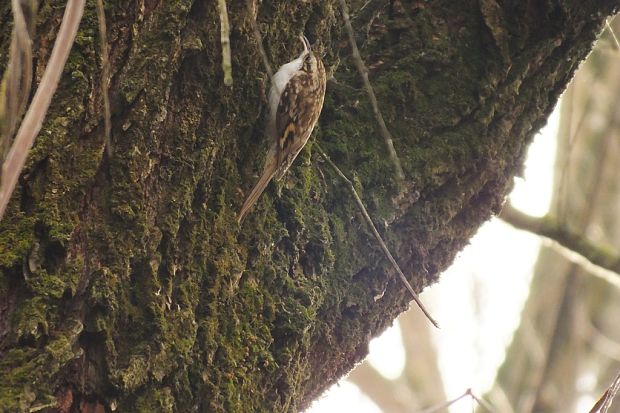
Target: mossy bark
x=126, y=282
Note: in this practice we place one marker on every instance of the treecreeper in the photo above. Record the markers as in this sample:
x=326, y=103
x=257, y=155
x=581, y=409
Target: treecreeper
x=295, y=102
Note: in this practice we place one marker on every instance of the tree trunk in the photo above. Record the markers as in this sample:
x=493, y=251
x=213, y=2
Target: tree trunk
x=126, y=282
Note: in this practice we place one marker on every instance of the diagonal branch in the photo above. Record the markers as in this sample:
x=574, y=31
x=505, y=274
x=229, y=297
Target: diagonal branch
x=605, y=261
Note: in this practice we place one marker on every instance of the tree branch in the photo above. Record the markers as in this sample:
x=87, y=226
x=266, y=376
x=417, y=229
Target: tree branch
x=607, y=263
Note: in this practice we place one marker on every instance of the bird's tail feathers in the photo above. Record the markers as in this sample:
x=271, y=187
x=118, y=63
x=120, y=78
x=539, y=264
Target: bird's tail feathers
x=258, y=189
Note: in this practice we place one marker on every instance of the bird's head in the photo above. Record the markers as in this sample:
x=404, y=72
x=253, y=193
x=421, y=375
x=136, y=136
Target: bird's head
x=309, y=61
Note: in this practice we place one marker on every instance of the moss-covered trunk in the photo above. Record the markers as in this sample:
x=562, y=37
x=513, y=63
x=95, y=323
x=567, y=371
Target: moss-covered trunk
x=126, y=282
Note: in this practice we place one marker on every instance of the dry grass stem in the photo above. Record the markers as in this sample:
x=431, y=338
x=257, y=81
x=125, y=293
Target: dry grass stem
x=225, y=40
x=105, y=76
x=17, y=79
x=33, y=120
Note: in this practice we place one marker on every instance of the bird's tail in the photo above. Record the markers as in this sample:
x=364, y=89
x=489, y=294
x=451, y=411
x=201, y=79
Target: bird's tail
x=258, y=189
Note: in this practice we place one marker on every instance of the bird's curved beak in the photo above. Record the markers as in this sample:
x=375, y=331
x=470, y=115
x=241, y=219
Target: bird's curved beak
x=306, y=43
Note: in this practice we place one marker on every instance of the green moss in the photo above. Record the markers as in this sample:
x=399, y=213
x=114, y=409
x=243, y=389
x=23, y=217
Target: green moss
x=152, y=400
x=16, y=237
x=136, y=373
x=31, y=321
x=16, y=366
x=61, y=351
x=46, y=285
x=58, y=215
x=29, y=376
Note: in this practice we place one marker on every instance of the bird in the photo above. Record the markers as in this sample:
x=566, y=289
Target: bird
x=295, y=102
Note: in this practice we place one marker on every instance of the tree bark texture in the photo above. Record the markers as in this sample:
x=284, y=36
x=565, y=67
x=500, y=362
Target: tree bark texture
x=126, y=282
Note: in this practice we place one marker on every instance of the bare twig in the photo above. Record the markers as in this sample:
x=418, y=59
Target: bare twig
x=613, y=34
x=361, y=68
x=17, y=79
x=468, y=393
x=259, y=38
x=373, y=228
x=225, y=40
x=35, y=115
x=603, y=404
x=446, y=404
x=576, y=248
x=105, y=76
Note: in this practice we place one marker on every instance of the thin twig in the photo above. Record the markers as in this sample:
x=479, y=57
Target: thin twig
x=259, y=38
x=361, y=68
x=603, y=404
x=373, y=228
x=446, y=404
x=468, y=393
x=105, y=76
x=613, y=34
x=35, y=115
x=225, y=40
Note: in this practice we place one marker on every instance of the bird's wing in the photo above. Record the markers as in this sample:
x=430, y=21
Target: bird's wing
x=289, y=124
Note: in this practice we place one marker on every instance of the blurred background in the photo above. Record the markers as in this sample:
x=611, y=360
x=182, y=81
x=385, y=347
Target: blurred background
x=527, y=325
